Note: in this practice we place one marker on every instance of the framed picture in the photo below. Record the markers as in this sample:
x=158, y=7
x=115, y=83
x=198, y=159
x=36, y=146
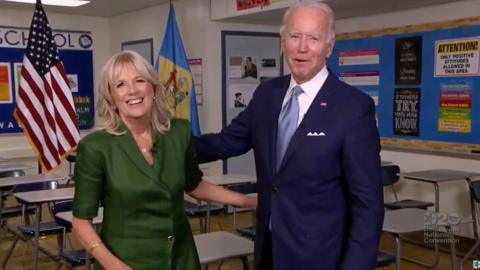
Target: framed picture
x=144, y=47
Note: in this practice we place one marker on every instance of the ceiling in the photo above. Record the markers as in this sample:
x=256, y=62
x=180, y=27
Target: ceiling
x=97, y=8
x=342, y=8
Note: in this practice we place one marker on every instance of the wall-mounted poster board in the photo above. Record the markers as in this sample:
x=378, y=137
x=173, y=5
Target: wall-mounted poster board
x=75, y=51
x=424, y=80
x=143, y=47
x=248, y=58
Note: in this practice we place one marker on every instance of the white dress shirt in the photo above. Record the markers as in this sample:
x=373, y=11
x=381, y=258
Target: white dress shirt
x=310, y=91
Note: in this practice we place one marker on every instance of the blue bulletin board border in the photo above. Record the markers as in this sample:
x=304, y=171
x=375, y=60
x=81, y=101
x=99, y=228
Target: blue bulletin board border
x=430, y=139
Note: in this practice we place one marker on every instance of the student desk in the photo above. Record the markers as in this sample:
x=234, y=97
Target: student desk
x=223, y=180
x=211, y=247
x=12, y=181
x=437, y=176
x=386, y=163
x=409, y=220
x=37, y=198
x=68, y=217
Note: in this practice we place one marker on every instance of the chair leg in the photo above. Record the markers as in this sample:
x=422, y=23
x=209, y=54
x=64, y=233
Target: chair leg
x=245, y=262
x=9, y=253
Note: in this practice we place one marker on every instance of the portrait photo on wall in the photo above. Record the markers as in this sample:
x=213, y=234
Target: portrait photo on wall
x=240, y=95
x=249, y=67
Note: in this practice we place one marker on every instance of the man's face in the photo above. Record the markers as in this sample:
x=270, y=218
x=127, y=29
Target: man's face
x=306, y=43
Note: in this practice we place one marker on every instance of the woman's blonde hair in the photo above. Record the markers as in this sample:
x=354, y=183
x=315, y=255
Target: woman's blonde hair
x=110, y=119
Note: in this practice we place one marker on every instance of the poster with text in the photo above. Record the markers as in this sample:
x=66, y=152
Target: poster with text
x=358, y=78
x=406, y=111
x=408, y=60
x=359, y=57
x=455, y=106
x=247, y=4
x=457, y=57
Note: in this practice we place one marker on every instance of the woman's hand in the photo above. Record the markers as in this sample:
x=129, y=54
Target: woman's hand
x=117, y=265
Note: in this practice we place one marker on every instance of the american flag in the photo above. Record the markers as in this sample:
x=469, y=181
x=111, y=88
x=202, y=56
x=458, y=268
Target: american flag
x=45, y=108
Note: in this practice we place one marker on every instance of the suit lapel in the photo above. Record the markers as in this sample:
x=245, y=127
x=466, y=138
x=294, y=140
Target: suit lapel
x=276, y=102
x=314, y=113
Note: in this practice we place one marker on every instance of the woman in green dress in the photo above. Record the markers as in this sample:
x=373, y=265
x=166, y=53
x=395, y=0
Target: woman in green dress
x=138, y=166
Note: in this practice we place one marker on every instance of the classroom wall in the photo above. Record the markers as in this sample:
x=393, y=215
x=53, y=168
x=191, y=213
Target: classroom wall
x=453, y=195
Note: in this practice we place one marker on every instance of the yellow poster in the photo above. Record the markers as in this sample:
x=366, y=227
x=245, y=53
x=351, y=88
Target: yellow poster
x=5, y=89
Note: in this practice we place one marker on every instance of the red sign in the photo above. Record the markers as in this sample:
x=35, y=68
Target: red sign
x=247, y=4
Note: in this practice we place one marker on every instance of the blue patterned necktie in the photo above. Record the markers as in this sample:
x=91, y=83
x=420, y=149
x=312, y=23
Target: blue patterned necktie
x=287, y=123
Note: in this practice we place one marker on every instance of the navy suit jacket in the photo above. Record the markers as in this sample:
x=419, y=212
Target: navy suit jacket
x=326, y=200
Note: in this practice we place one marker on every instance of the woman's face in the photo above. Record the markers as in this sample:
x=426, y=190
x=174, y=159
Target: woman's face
x=132, y=95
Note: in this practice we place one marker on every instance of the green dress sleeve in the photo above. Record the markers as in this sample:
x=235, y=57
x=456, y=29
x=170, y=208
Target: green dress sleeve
x=89, y=180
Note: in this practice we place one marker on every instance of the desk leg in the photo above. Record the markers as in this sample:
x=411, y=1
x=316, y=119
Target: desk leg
x=207, y=221
x=87, y=259
x=398, y=251
x=453, y=252
x=473, y=213
x=37, y=236
x=1, y=207
x=437, y=198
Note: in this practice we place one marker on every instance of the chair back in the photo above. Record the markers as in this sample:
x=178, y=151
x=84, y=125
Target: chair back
x=475, y=190
x=62, y=206
x=390, y=174
x=35, y=186
x=16, y=173
x=245, y=188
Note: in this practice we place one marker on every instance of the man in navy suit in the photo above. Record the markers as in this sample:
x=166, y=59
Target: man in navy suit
x=320, y=197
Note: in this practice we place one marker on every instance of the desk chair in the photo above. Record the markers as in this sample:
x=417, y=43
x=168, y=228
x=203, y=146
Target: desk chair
x=72, y=258
x=390, y=177
x=384, y=259
x=16, y=173
x=26, y=231
x=218, y=246
x=201, y=211
x=475, y=195
x=26, y=210
x=245, y=188
x=8, y=212
x=71, y=160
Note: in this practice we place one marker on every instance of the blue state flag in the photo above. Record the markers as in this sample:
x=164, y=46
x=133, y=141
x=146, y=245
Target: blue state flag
x=175, y=75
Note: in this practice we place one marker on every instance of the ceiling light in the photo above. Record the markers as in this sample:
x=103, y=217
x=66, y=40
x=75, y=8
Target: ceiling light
x=64, y=3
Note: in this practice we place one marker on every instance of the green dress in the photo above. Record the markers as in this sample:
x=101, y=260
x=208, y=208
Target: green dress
x=144, y=221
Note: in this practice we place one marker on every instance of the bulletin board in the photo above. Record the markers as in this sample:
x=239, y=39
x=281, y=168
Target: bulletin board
x=424, y=79
x=75, y=51
x=248, y=59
